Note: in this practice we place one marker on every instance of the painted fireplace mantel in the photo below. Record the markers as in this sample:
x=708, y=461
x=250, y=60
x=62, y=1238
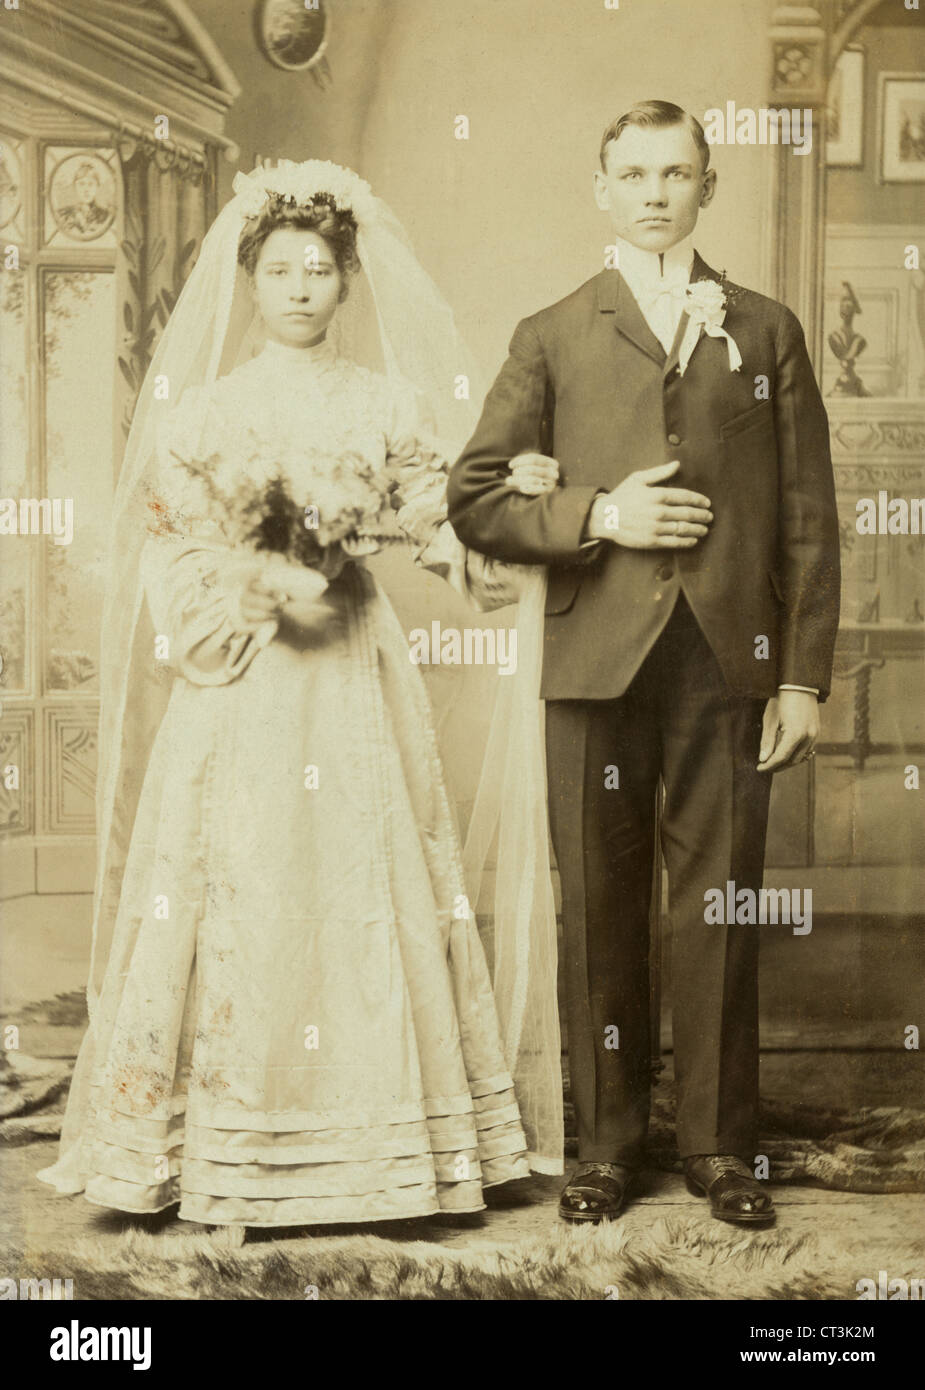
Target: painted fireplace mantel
x=121, y=63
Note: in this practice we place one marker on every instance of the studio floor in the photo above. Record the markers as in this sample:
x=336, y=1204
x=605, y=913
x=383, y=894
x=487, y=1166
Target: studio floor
x=666, y=1245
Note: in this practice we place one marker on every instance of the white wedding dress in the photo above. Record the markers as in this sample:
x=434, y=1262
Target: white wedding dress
x=306, y=1030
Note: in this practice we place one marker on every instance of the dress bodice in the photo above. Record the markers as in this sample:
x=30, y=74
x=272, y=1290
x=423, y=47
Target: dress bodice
x=288, y=402
x=285, y=410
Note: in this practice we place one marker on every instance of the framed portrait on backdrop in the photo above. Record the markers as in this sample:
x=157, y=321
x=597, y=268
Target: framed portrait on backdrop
x=292, y=34
x=901, y=120
x=845, y=111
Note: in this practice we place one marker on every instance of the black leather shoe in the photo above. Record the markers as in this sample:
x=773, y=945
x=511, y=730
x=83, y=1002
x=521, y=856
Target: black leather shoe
x=734, y=1192
x=595, y=1192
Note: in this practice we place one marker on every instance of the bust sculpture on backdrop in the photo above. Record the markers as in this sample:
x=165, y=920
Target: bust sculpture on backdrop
x=848, y=346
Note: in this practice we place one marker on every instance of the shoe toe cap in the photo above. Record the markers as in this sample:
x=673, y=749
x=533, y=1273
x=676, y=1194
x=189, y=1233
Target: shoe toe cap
x=584, y=1202
x=747, y=1203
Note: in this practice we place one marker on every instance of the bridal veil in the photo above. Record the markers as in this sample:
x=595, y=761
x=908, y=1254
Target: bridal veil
x=408, y=332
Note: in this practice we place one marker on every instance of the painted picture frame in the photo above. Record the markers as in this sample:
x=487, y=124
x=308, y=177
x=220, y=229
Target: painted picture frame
x=82, y=195
x=844, y=147
x=901, y=123
x=292, y=34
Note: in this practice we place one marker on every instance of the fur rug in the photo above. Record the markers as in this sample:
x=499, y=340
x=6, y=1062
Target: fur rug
x=865, y=1150
x=28, y=1084
x=876, y=1150
x=676, y=1257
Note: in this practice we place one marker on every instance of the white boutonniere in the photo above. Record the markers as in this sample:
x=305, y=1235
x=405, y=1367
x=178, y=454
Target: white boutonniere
x=705, y=305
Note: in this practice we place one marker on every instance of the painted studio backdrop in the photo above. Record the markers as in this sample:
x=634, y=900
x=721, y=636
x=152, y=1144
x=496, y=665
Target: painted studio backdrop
x=107, y=218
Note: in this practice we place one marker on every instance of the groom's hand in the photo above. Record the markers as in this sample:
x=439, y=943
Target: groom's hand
x=644, y=516
x=789, y=730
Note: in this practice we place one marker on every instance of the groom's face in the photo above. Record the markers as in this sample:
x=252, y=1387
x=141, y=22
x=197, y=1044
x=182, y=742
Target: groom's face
x=654, y=186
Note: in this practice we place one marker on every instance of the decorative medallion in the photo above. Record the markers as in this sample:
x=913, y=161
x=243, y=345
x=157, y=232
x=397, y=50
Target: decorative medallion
x=82, y=196
x=293, y=34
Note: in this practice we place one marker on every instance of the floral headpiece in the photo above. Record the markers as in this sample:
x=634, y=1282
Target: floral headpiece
x=301, y=184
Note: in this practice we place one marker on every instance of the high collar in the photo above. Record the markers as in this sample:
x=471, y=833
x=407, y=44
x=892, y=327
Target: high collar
x=647, y=269
x=282, y=356
x=611, y=286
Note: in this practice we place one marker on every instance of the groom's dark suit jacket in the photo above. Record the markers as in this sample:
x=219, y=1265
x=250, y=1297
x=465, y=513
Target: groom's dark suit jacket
x=588, y=383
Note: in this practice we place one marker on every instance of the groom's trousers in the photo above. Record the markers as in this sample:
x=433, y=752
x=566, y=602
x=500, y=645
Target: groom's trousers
x=678, y=720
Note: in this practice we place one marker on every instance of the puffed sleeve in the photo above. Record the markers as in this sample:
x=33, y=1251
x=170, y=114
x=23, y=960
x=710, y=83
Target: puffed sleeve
x=191, y=572
x=419, y=471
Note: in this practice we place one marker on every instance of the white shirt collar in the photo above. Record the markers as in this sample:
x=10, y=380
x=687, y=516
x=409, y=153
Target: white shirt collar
x=646, y=271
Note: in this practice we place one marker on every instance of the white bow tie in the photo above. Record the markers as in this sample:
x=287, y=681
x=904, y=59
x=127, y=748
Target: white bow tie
x=662, y=304
x=669, y=298
x=671, y=287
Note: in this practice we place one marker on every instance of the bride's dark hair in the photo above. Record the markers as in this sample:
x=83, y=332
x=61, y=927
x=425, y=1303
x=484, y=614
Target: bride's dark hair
x=337, y=226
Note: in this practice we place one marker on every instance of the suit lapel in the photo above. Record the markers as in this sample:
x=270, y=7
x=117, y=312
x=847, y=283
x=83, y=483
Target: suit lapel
x=615, y=297
x=672, y=359
x=701, y=271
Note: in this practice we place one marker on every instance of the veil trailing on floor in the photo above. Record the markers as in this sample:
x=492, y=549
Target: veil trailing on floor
x=396, y=321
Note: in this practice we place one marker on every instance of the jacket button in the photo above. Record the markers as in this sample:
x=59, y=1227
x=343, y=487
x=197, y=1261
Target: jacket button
x=674, y=439
x=664, y=572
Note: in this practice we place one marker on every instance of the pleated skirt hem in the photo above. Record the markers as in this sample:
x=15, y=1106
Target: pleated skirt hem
x=437, y=1163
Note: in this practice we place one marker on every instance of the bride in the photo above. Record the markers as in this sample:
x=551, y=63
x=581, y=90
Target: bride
x=291, y=1016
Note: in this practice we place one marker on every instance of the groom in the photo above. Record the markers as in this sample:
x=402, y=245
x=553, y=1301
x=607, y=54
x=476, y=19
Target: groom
x=691, y=613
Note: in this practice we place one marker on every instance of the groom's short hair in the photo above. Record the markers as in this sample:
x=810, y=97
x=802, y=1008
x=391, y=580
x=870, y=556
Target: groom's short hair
x=656, y=115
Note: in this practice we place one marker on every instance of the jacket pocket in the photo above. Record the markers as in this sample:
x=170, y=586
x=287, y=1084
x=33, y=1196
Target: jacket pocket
x=561, y=588
x=755, y=415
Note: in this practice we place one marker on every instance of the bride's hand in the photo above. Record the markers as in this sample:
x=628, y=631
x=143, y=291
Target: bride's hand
x=257, y=602
x=263, y=595
x=324, y=615
x=532, y=474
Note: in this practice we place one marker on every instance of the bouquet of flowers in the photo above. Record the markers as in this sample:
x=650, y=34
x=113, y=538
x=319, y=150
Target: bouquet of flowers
x=338, y=510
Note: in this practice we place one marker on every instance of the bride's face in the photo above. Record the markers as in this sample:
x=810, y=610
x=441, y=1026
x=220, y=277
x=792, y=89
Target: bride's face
x=297, y=286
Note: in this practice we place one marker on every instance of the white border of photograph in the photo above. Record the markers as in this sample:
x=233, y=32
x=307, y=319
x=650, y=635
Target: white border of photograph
x=890, y=169
x=848, y=149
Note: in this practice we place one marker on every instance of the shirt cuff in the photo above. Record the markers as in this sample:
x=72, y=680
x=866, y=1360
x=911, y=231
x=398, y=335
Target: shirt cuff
x=587, y=542
x=810, y=689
